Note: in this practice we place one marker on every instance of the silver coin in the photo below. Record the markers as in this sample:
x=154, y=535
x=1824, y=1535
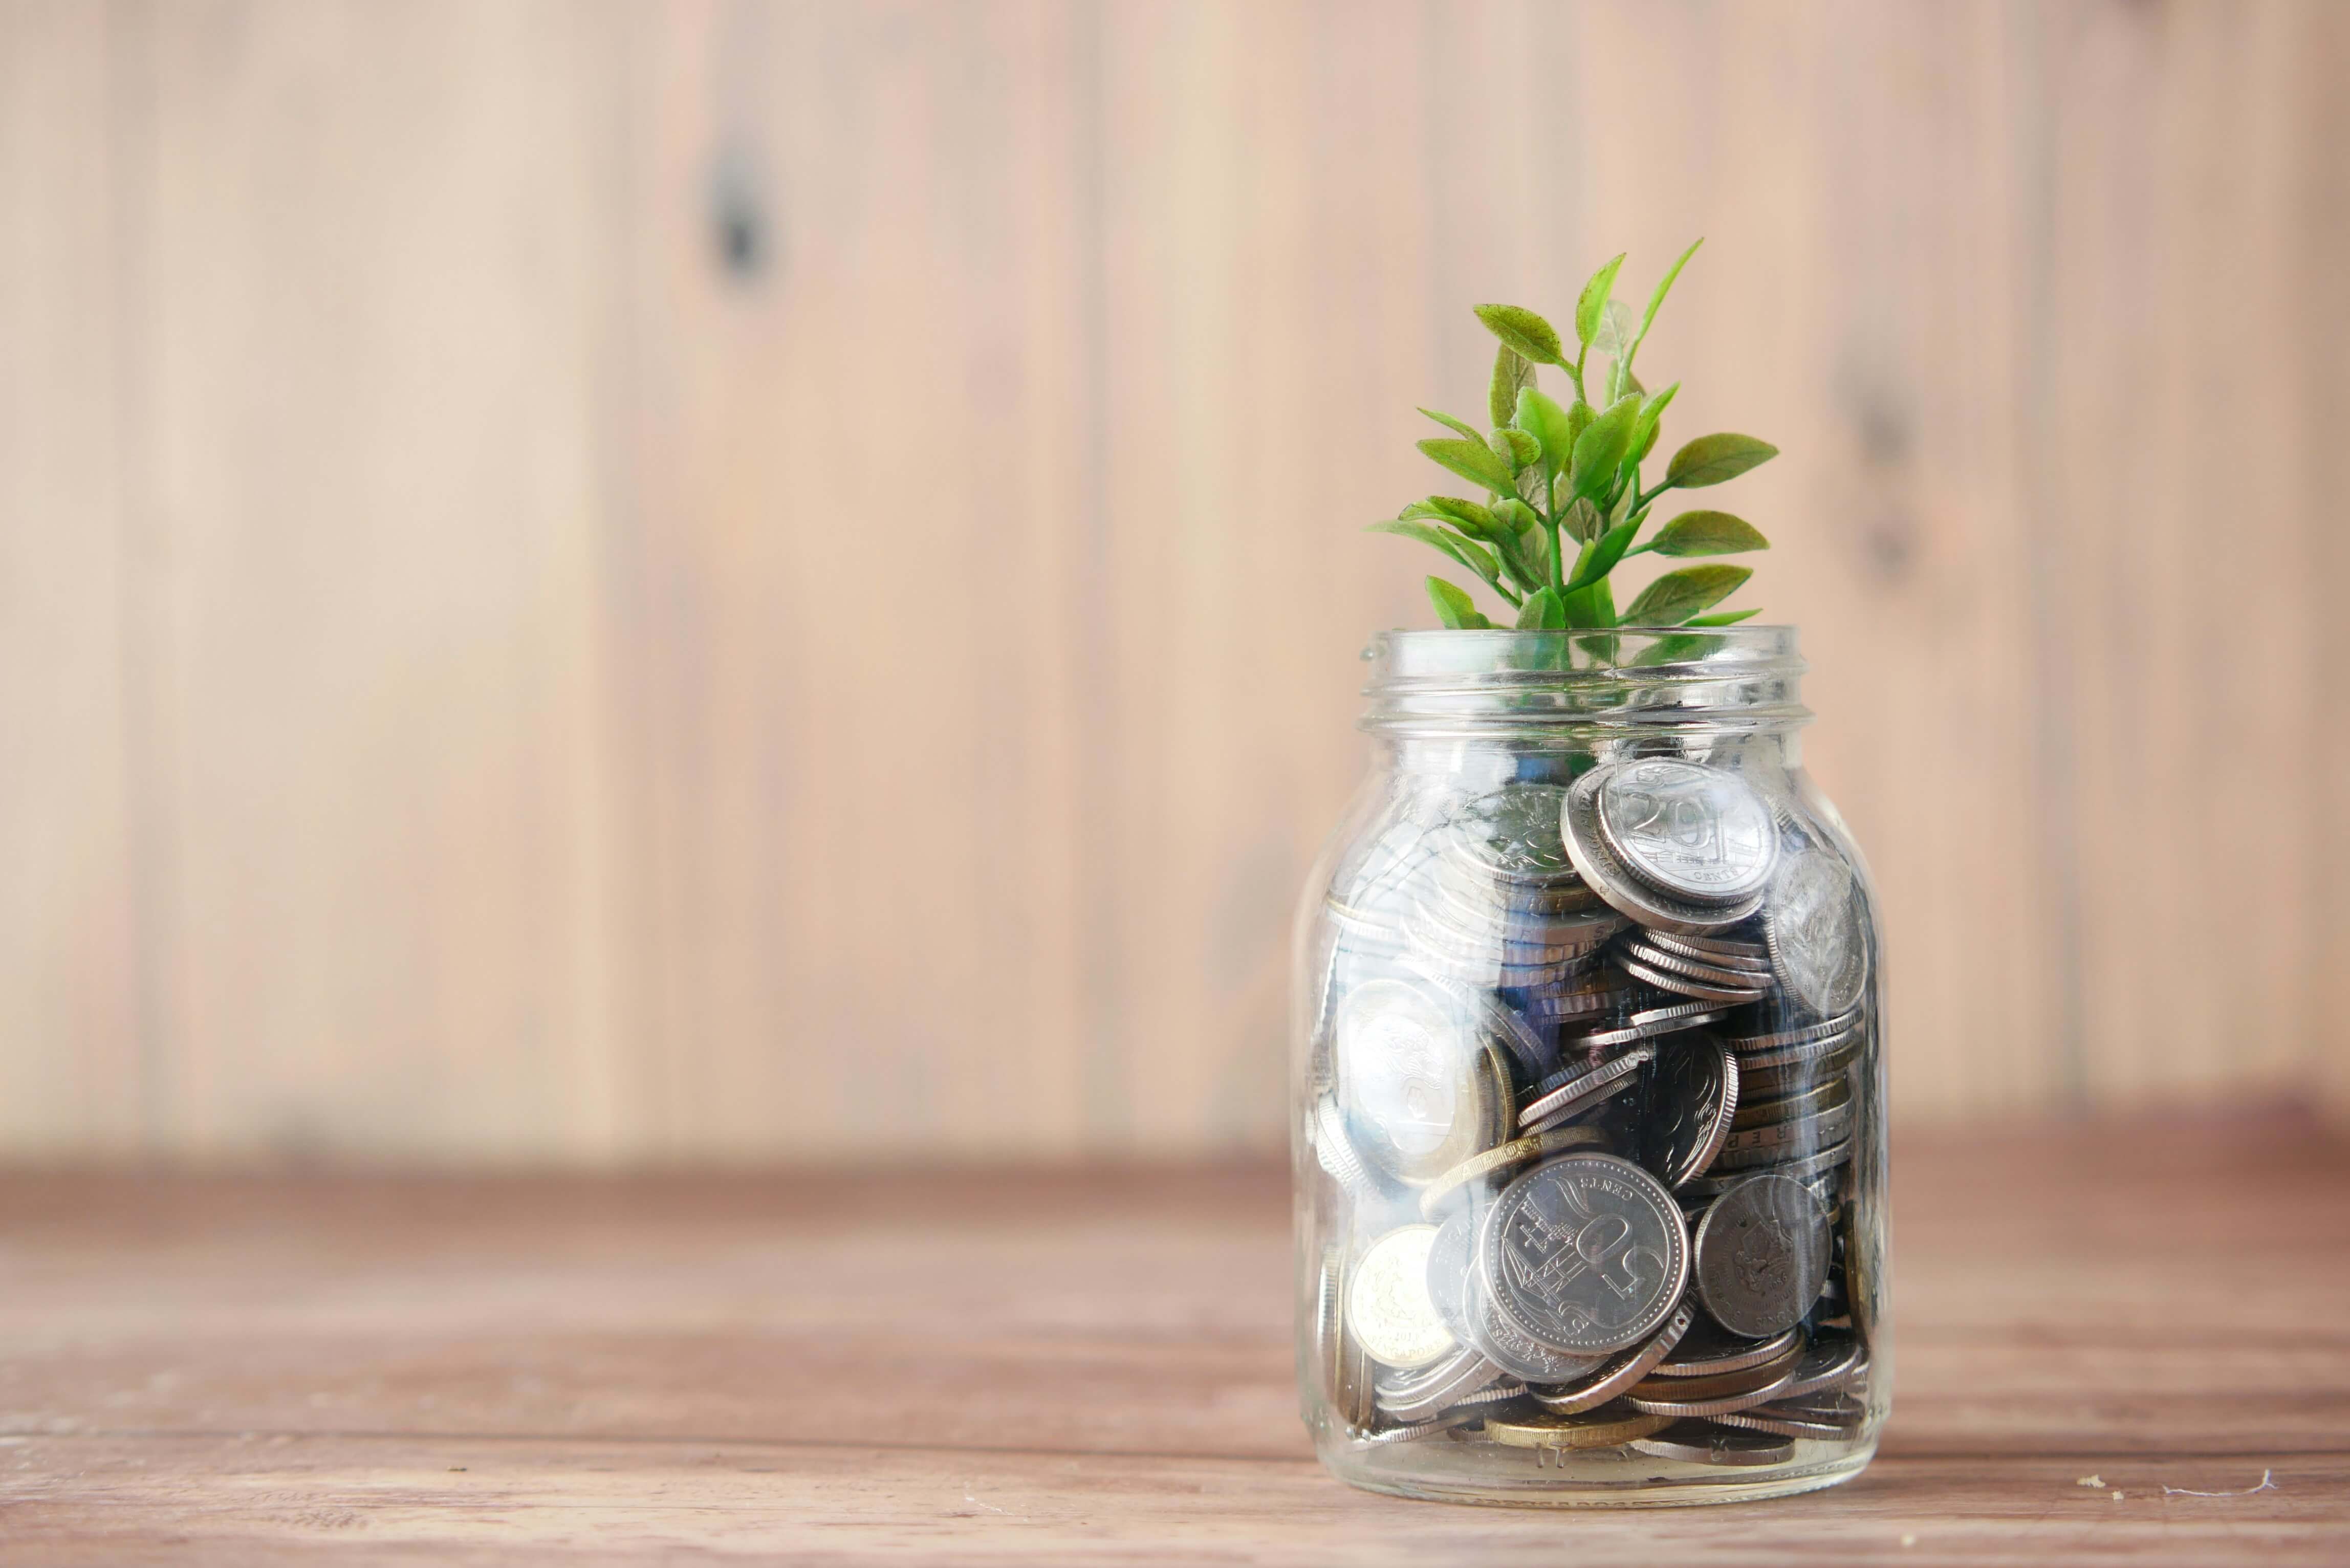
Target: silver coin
x=1693, y=1097
x=1761, y=1255
x=1387, y=1309
x=1832, y=1362
x=1659, y=1400
x=1462, y=1377
x=1418, y=1429
x=1620, y=1373
x=1777, y=1143
x=1702, y=971
x=1625, y=890
x=1747, y=1044
x=1707, y=1352
x=1803, y=1167
x=1814, y=1099
x=1705, y=1443
x=1346, y=1370
x=1451, y=1259
x=1513, y=1350
x=1416, y=1079
x=1817, y=926
x=1513, y=833
x=1833, y=1419
x=1687, y=829
x=1651, y=1023
x=1332, y=1150
x=1821, y=1057
x=1665, y=979
x=1728, y=951
x=1782, y=1082
x=1558, y=1095
x=1604, y=991
x=1586, y=1252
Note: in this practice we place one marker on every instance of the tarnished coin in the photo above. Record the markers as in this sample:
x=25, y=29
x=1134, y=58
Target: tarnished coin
x=1707, y=1443
x=1830, y=1418
x=1773, y=1143
x=1625, y=1370
x=1762, y=1254
x=1834, y=1361
x=1681, y=985
x=1626, y=889
x=1601, y=1428
x=1585, y=1253
x=1504, y=1156
x=1715, y=1182
x=1707, y=1352
x=1691, y=1098
x=1817, y=926
x=1579, y=1087
x=1415, y=1078
x=1815, y=1099
x=1687, y=829
x=1650, y=1024
x=1387, y=1309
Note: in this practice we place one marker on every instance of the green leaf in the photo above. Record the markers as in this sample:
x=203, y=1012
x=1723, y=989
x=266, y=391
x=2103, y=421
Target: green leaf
x=1657, y=299
x=1711, y=459
x=1673, y=599
x=1652, y=420
x=1708, y=533
x=1516, y=445
x=1513, y=374
x=1584, y=522
x=1466, y=516
x=1449, y=423
x=1472, y=459
x=1599, y=557
x=1599, y=449
x=1523, y=330
x=1475, y=557
x=1616, y=328
x=1541, y=612
x=1454, y=607
x=1591, y=306
x=1723, y=617
x=1513, y=514
x=1541, y=414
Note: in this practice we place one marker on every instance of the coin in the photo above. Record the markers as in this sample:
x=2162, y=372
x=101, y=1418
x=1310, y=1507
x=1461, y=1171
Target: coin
x=1691, y=1100
x=1815, y=1099
x=1515, y=1152
x=1670, y=1397
x=1834, y=1361
x=1624, y=888
x=1599, y=991
x=1650, y=1024
x=1696, y=971
x=1713, y=1183
x=1745, y=1044
x=1771, y=1078
x=1761, y=1255
x=1332, y=1151
x=1620, y=1373
x=1450, y=1259
x=1817, y=929
x=1773, y=1373
x=1344, y=1370
x=1693, y=831
x=1706, y=1352
x=1413, y=1075
x=1705, y=1443
x=1585, y=1253
x=1830, y=1422
x=1579, y=1086
x=1513, y=833
x=1387, y=1309
x=1750, y=1148
x=1664, y=980
x=1605, y=1428
x=1721, y=951
x=1513, y=1350
x=1441, y=1388
x=1419, y=1429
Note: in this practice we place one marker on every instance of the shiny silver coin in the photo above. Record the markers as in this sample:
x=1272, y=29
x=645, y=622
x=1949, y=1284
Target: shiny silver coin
x=1692, y=1097
x=1451, y=1259
x=1700, y=969
x=1426, y=1395
x=1796, y=1063
x=1776, y=1143
x=1706, y=1443
x=1560, y=1095
x=1726, y=952
x=1833, y=1419
x=1586, y=1253
x=1815, y=1099
x=1816, y=923
x=1625, y=890
x=1620, y=1373
x=1681, y=985
x=1416, y=1079
x=1513, y=833
x=1418, y=1429
x=1713, y=1183
x=1749, y=1044
x=1602, y=991
x=1649, y=1024
x=1781, y=1081
x=1686, y=829
x=1761, y=1255
x=1513, y=1350
x=1662, y=1401
x=1332, y=1150
x=1707, y=1352
x=1833, y=1362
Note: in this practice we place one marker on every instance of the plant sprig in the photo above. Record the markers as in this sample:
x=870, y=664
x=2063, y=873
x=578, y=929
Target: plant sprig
x=1559, y=474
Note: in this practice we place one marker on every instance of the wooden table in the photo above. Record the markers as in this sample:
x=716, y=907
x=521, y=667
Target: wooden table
x=1090, y=1367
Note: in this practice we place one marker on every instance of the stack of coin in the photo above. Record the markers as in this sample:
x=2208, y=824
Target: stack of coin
x=1586, y=1088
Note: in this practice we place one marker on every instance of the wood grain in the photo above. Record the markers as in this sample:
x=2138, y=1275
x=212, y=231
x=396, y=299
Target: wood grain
x=730, y=581
x=1090, y=1365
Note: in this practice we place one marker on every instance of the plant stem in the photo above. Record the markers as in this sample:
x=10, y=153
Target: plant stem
x=1557, y=567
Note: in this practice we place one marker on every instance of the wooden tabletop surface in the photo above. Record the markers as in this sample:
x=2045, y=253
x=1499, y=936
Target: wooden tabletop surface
x=2093, y=1327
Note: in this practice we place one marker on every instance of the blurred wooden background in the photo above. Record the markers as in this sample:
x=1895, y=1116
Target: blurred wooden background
x=599, y=582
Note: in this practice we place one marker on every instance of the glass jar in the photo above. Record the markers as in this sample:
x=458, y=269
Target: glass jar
x=1588, y=1084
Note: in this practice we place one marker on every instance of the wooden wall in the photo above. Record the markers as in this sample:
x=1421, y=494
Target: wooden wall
x=600, y=583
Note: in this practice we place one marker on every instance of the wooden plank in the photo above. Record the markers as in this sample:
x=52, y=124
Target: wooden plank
x=860, y=445
x=71, y=1077
x=376, y=320
x=217, y=1498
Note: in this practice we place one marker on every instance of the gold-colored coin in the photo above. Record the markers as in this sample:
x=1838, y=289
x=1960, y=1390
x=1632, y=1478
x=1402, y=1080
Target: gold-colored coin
x=1610, y=1426
x=1517, y=1151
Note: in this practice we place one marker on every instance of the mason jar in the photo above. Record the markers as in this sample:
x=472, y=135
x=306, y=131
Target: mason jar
x=1588, y=1084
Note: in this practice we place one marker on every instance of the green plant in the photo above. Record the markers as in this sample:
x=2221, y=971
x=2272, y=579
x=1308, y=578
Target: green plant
x=1559, y=473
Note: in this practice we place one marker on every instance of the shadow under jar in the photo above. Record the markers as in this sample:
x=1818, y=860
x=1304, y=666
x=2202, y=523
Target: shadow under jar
x=1588, y=1084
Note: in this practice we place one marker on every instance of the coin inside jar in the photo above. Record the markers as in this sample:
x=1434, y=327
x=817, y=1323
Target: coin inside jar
x=1692, y=830
x=1414, y=1077
x=1691, y=1098
x=1708, y=1443
x=1626, y=889
x=1816, y=926
x=1620, y=1375
x=1603, y=1429
x=1387, y=1308
x=1586, y=1253
x=1761, y=1255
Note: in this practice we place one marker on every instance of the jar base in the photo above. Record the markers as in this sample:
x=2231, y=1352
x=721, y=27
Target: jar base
x=1654, y=1483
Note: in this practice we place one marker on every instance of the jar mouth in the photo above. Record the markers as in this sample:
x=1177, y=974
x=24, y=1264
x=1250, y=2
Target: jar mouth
x=1482, y=683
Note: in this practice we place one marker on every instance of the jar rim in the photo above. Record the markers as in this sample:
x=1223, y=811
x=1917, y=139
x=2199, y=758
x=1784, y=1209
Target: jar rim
x=1468, y=683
